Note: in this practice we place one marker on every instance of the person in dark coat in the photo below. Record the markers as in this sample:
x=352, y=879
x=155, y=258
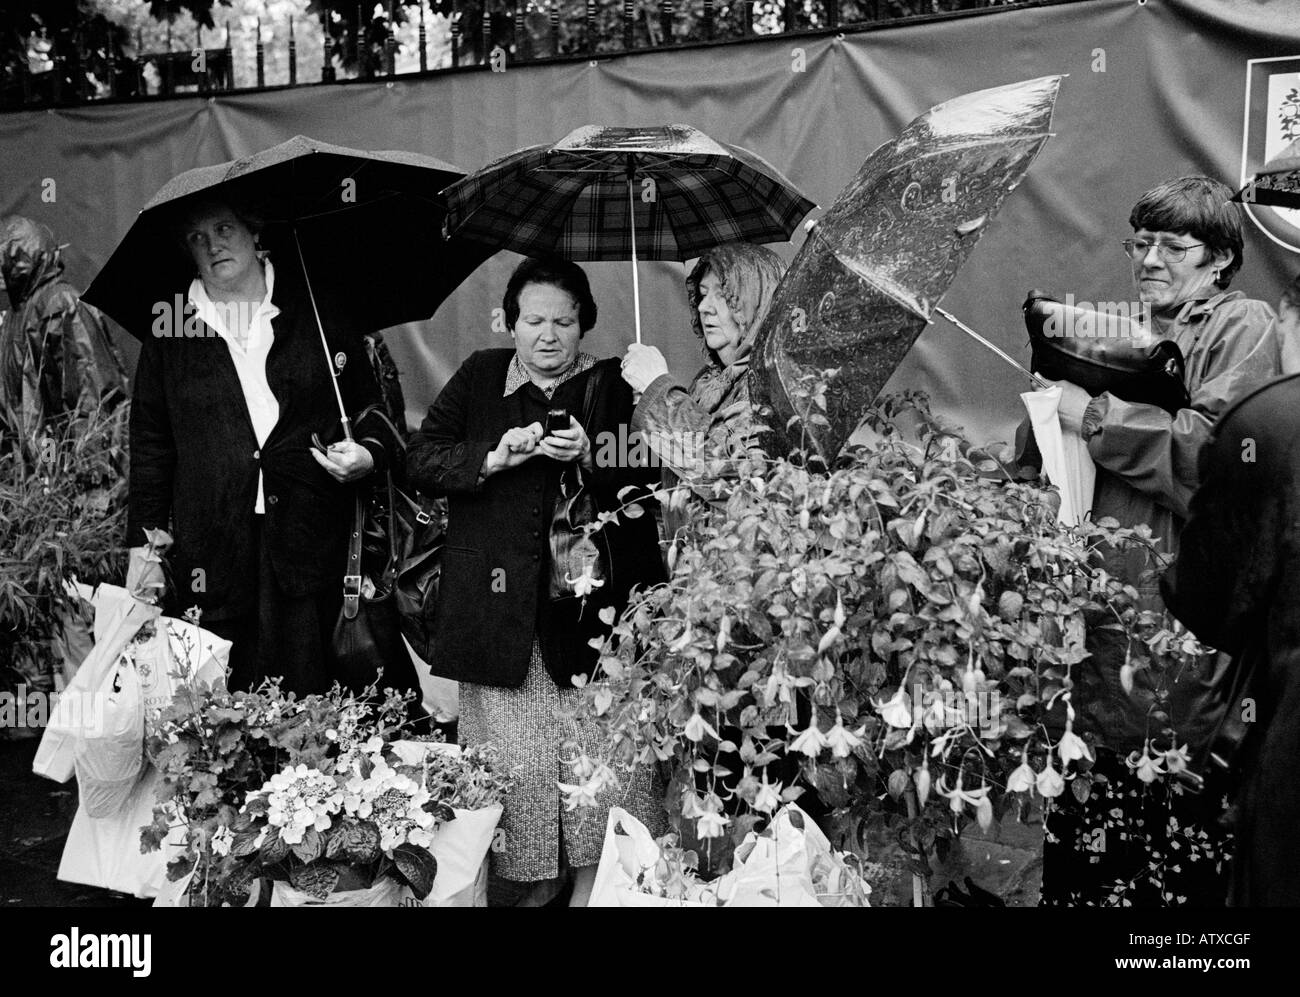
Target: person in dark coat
x=1233, y=586
x=226, y=400
x=56, y=357
x=515, y=650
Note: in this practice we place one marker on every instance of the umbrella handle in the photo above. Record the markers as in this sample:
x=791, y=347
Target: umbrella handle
x=996, y=349
x=631, y=217
x=329, y=358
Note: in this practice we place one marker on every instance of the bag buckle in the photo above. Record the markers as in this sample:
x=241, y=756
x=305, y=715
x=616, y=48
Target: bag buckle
x=423, y=518
x=351, y=586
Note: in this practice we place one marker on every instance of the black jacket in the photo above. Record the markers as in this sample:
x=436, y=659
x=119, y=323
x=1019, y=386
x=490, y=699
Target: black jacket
x=195, y=458
x=496, y=561
x=1234, y=585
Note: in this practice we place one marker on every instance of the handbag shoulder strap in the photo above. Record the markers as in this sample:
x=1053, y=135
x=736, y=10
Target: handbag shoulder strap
x=589, y=397
x=352, y=574
x=588, y=409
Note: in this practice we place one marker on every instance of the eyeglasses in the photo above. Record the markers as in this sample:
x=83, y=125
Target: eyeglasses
x=1171, y=252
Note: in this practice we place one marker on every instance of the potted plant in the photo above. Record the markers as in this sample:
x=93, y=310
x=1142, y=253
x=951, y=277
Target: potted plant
x=903, y=626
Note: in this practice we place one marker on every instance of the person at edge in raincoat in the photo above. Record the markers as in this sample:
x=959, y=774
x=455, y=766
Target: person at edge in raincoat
x=1132, y=839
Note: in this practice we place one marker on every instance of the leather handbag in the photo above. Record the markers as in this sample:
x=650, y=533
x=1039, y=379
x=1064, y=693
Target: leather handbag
x=576, y=551
x=366, y=634
x=403, y=538
x=390, y=584
x=1102, y=352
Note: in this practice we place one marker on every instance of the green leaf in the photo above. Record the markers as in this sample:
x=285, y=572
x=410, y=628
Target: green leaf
x=274, y=848
x=245, y=844
x=317, y=880
x=309, y=849
x=361, y=841
x=417, y=867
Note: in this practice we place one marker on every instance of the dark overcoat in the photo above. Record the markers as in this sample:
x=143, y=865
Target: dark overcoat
x=195, y=458
x=496, y=562
x=1234, y=585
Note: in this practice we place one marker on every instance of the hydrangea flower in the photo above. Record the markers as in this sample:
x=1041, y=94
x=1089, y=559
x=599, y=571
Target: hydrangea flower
x=395, y=803
x=301, y=798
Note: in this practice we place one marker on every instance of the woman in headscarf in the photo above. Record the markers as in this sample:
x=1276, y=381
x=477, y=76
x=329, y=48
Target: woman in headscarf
x=729, y=290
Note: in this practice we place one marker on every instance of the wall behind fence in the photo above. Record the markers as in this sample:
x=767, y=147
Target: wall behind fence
x=1154, y=90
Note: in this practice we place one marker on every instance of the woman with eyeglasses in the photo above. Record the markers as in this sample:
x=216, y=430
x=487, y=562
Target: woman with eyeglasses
x=1133, y=841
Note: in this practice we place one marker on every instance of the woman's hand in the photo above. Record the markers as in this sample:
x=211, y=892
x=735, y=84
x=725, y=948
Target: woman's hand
x=516, y=446
x=1074, y=400
x=345, y=461
x=643, y=364
x=568, y=445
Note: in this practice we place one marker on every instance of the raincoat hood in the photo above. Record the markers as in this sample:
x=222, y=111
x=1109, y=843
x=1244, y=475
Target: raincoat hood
x=29, y=257
x=749, y=276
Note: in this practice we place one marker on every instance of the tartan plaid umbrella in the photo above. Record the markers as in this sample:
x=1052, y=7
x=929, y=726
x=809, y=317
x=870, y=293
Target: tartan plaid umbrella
x=365, y=226
x=666, y=192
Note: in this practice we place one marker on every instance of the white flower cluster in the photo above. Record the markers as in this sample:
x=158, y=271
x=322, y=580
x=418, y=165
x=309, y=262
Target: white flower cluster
x=301, y=798
x=395, y=802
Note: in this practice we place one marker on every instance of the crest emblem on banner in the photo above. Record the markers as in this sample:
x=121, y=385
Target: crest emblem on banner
x=1272, y=123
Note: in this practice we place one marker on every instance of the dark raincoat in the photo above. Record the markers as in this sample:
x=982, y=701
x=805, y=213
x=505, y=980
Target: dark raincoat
x=1146, y=474
x=55, y=354
x=1234, y=586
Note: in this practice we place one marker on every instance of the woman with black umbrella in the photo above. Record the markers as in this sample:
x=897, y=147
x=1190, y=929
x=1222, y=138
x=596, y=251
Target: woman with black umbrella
x=222, y=425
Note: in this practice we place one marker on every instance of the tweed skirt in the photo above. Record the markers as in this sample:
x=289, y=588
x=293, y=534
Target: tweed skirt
x=534, y=730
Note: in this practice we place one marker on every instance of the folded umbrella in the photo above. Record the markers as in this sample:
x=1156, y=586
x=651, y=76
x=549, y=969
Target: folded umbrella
x=874, y=267
x=364, y=226
x=665, y=192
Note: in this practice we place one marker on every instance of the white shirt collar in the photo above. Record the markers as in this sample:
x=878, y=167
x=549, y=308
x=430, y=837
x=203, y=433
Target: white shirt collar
x=214, y=313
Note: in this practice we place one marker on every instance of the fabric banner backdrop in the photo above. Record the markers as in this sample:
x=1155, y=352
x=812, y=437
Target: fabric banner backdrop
x=1155, y=89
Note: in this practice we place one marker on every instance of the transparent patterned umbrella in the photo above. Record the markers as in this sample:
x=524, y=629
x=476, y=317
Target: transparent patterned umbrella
x=872, y=271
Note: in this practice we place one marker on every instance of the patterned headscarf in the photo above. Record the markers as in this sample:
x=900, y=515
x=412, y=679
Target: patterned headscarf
x=749, y=275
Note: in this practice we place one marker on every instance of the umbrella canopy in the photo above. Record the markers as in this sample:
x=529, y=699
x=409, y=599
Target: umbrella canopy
x=1278, y=183
x=666, y=192
x=369, y=225
x=873, y=269
x=571, y=198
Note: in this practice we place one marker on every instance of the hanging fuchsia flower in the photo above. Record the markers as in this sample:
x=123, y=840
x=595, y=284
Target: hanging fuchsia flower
x=841, y=740
x=1146, y=766
x=1177, y=760
x=1023, y=779
x=1050, y=783
x=810, y=742
x=897, y=711
x=921, y=778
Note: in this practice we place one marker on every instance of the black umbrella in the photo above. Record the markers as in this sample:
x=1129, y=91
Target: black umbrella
x=364, y=226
